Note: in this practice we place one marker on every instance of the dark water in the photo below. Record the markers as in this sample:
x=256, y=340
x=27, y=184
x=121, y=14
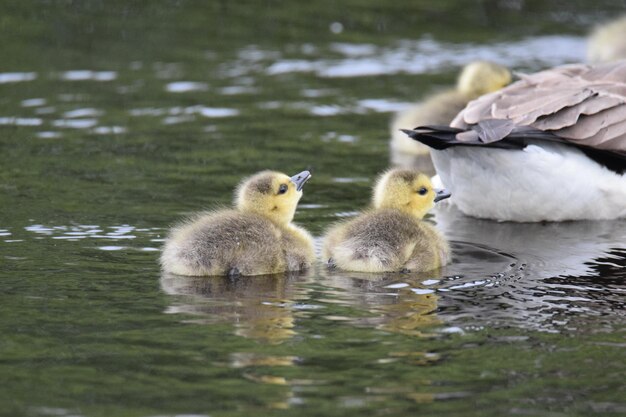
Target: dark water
x=117, y=118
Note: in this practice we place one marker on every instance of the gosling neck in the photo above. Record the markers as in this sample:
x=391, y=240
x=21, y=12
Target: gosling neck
x=407, y=208
x=276, y=216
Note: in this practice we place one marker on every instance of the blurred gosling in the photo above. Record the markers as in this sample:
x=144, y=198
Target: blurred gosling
x=391, y=235
x=607, y=42
x=255, y=238
x=476, y=79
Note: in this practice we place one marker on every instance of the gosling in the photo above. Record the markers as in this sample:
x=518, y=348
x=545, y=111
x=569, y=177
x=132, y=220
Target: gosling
x=607, y=43
x=255, y=238
x=476, y=79
x=391, y=236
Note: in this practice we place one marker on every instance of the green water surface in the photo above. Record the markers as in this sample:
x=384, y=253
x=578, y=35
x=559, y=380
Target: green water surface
x=117, y=118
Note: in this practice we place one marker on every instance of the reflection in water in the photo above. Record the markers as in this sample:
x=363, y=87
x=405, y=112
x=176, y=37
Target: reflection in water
x=548, y=249
x=556, y=279
x=265, y=308
x=261, y=307
x=395, y=302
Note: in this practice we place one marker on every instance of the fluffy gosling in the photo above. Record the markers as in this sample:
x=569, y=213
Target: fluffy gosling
x=255, y=238
x=607, y=43
x=391, y=236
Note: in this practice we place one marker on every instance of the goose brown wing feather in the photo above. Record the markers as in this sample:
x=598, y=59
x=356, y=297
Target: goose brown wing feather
x=614, y=72
x=538, y=102
x=580, y=104
x=476, y=110
x=596, y=128
x=569, y=115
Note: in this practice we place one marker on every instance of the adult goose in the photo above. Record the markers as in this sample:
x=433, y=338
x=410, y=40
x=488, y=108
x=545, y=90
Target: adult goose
x=549, y=147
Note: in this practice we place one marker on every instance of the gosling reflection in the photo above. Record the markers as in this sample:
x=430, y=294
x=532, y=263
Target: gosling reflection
x=413, y=314
x=396, y=302
x=259, y=308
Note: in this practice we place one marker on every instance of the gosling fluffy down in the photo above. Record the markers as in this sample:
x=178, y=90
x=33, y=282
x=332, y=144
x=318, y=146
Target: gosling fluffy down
x=391, y=236
x=607, y=43
x=255, y=238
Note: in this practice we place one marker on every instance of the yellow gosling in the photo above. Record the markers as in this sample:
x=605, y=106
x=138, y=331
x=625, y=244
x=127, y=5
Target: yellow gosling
x=476, y=79
x=391, y=236
x=255, y=238
x=607, y=42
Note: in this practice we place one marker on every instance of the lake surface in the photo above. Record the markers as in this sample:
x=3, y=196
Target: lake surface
x=119, y=118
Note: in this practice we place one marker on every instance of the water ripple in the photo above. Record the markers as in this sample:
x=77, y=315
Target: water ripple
x=83, y=112
x=48, y=135
x=33, y=102
x=428, y=56
x=21, y=121
x=88, y=75
x=209, y=112
x=237, y=89
x=114, y=233
x=185, y=86
x=75, y=123
x=16, y=77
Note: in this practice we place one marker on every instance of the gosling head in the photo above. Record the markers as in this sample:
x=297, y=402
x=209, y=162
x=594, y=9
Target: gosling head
x=406, y=190
x=271, y=194
x=482, y=77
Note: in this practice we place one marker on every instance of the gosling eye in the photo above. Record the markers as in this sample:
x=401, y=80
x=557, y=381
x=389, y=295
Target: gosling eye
x=282, y=189
x=422, y=191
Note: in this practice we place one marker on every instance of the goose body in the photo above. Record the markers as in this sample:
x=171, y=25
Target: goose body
x=255, y=238
x=550, y=147
x=391, y=236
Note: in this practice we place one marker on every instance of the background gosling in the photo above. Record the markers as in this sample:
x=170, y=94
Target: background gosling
x=391, y=236
x=607, y=43
x=476, y=79
x=255, y=238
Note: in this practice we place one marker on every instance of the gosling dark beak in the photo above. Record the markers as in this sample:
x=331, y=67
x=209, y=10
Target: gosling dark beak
x=300, y=179
x=442, y=194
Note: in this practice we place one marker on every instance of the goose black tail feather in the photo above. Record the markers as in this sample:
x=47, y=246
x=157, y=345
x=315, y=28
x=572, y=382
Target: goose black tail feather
x=444, y=137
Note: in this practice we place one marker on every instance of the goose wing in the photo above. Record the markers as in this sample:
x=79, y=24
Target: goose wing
x=580, y=104
x=489, y=133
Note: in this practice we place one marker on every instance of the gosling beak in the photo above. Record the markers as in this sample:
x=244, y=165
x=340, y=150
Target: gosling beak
x=442, y=194
x=300, y=179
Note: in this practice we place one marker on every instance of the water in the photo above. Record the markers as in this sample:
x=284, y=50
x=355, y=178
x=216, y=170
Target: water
x=116, y=120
